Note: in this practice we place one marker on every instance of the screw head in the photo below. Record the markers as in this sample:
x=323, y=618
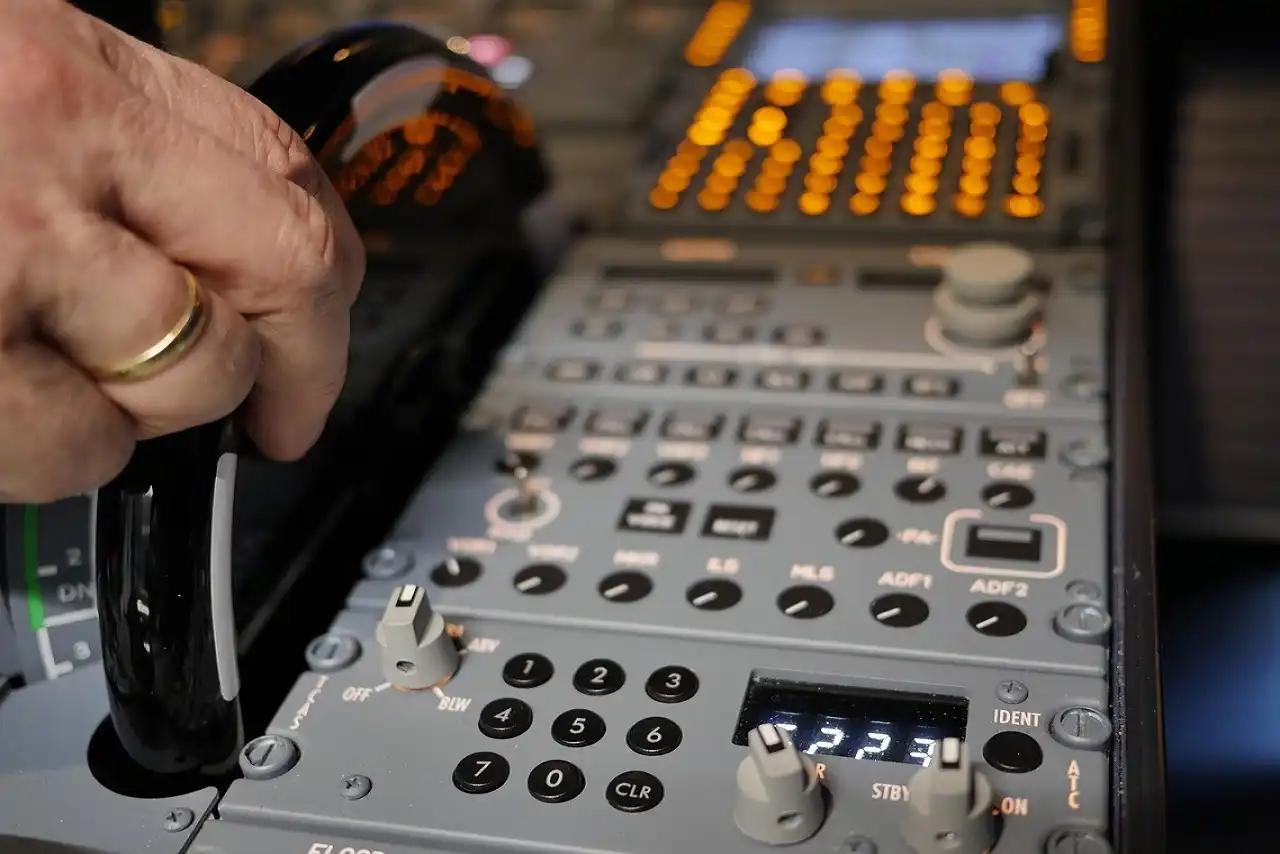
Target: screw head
x=178, y=819
x=1081, y=727
x=1012, y=691
x=387, y=562
x=268, y=757
x=332, y=651
x=355, y=786
x=857, y=845
x=1076, y=841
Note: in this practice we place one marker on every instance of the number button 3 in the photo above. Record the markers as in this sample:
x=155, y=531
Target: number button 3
x=671, y=684
x=599, y=676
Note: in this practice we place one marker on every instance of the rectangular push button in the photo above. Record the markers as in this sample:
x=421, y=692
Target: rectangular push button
x=1004, y=542
x=727, y=522
x=1014, y=443
x=654, y=516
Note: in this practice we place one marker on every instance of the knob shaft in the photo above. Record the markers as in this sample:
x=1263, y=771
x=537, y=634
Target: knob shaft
x=417, y=651
x=780, y=799
x=950, y=811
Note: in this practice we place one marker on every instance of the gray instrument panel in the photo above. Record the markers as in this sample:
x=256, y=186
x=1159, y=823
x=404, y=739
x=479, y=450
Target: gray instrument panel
x=751, y=461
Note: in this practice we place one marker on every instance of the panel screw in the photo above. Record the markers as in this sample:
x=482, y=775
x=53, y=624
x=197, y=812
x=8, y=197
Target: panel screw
x=1012, y=691
x=178, y=819
x=1082, y=622
x=332, y=651
x=356, y=786
x=1080, y=727
x=857, y=845
x=387, y=562
x=268, y=757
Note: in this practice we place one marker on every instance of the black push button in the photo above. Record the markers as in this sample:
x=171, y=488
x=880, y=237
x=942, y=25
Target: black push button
x=592, y=469
x=1013, y=752
x=855, y=382
x=541, y=419
x=572, y=371
x=671, y=684
x=505, y=718
x=654, y=736
x=671, y=474
x=752, y=479
x=642, y=373
x=711, y=376
x=996, y=619
x=1002, y=495
x=456, y=572
x=834, y=484
x=782, y=379
x=625, y=586
x=634, y=791
x=930, y=385
x=556, y=781
x=597, y=329
x=692, y=427
x=729, y=522
x=799, y=335
x=599, y=676
x=805, y=602
x=578, y=728
x=769, y=430
x=654, y=516
x=920, y=489
x=1013, y=443
x=849, y=435
x=618, y=423
x=481, y=773
x=929, y=439
x=528, y=670
x=539, y=579
x=728, y=333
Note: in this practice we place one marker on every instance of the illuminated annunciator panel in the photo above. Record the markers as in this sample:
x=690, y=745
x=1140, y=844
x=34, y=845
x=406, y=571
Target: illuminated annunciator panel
x=936, y=127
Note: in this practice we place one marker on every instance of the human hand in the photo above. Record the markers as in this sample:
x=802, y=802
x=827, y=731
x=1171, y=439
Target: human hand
x=119, y=167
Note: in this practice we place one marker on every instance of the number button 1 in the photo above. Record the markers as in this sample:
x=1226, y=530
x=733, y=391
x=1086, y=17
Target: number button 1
x=672, y=684
x=578, y=728
x=654, y=736
x=480, y=773
x=556, y=781
x=599, y=676
x=528, y=670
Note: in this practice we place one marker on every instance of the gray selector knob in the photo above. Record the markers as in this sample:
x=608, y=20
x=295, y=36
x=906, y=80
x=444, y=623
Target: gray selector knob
x=950, y=811
x=417, y=651
x=780, y=799
x=985, y=297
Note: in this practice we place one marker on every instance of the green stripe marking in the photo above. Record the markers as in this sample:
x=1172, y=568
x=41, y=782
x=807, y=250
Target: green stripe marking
x=30, y=560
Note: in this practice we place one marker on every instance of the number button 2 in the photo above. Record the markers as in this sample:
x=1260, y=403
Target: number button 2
x=672, y=684
x=599, y=676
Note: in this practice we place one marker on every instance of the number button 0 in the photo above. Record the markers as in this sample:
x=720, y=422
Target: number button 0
x=578, y=728
x=556, y=781
x=505, y=718
x=528, y=670
x=654, y=736
x=672, y=684
x=480, y=773
x=598, y=677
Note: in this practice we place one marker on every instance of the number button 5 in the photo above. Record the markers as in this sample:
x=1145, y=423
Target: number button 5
x=578, y=728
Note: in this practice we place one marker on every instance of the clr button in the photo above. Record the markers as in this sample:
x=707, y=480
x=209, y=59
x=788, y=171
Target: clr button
x=634, y=791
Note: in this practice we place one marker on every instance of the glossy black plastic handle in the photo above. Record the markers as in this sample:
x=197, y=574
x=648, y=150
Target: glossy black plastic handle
x=162, y=559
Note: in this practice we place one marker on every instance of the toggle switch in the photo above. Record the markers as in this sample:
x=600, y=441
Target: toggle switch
x=950, y=811
x=780, y=799
x=417, y=650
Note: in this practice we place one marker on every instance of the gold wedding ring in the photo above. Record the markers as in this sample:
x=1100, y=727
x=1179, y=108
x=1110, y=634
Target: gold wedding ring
x=169, y=349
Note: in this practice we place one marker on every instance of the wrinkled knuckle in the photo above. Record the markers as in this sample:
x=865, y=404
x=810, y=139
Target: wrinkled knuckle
x=315, y=251
x=281, y=149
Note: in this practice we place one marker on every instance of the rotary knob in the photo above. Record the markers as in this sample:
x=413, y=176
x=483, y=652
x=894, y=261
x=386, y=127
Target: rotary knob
x=780, y=800
x=417, y=650
x=950, y=811
x=985, y=298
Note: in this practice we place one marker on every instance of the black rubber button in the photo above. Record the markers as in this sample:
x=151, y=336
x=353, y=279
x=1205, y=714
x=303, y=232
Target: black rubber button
x=505, y=718
x=1015, y=752
x=528, y=670
x=634, y=791
x=556, y=781
x=671, y=684
x=481, y=772
x=599, y=676
x=578, y=728
x=654, y=736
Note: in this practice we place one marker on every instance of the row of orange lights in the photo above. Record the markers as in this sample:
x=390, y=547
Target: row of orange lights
x=1033, y=129
x=896, y=93
x=717, y=114
x=979, y=151
x=1089, y=30
x=717, y=32
x=840, y=93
